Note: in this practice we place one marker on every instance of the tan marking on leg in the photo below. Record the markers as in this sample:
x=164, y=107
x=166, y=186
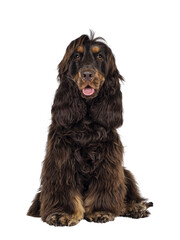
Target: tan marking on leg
x=79, y=209
x=65, y=219
x=136, y=209
x=88, y=203
x=101, y=217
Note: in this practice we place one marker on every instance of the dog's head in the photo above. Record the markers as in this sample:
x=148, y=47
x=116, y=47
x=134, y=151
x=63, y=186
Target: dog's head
x=89, y=68
x=88, y=62
x=89, y=85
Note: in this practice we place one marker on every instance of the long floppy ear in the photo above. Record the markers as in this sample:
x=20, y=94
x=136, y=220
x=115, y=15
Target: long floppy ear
x=107, y=107
x=68, y=107
x=64, y=64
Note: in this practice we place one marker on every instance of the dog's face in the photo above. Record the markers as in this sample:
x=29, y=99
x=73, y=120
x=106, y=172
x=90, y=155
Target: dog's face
x=88, y=68
x=88, y=72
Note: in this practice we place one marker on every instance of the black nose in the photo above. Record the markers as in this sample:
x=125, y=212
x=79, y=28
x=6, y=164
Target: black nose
x=87, y=75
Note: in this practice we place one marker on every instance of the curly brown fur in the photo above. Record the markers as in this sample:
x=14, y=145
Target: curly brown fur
x=82, y=174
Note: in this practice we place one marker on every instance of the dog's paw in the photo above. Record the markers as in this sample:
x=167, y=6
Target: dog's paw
x=62, y=219
x=137, y=209
x=99, y=217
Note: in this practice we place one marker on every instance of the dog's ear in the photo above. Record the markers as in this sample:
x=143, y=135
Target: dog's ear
x=107, y=107
x=64, y=64
x=68, y=107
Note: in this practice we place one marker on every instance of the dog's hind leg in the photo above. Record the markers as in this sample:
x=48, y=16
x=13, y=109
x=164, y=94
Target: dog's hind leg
x=34, y=210
x=136, y=206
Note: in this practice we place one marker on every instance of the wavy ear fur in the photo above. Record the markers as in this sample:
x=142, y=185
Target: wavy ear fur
x=68, y=107
x=107, y=108
x=64, y=64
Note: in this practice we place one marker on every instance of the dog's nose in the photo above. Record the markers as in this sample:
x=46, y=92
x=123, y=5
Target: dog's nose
x=87, y=75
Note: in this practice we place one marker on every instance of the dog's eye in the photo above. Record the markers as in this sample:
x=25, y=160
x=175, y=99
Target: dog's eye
x=99, y=57
x=77, y=57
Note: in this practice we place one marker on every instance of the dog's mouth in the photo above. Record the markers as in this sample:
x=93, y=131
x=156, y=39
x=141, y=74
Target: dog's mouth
x=88, y=91
x=89, y=82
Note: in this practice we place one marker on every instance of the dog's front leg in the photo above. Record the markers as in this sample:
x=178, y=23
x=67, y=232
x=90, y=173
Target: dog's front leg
x=104, y=199
x=61, y=203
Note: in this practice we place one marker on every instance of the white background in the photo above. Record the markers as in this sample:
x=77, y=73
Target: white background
x=145, y=38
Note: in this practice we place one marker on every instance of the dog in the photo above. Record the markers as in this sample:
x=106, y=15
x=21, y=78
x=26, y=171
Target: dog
x=83, y=176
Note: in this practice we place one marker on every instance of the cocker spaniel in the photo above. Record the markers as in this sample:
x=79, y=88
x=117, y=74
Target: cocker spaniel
x=83, y=176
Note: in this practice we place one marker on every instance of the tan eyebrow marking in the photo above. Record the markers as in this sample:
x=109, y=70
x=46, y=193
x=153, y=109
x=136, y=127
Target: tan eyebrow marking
x=95, y=49
x=80, y=49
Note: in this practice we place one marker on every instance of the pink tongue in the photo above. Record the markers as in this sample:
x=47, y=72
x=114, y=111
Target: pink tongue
x=88, y=91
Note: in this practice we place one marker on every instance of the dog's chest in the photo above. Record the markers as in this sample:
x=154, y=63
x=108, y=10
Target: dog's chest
x=85, y=134
x=88, y=160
